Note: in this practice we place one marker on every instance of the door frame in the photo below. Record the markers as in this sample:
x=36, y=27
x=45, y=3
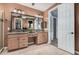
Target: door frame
x=2, y=11
x=49, y=15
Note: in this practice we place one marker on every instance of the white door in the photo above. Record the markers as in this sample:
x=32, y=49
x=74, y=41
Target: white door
x=66, y=27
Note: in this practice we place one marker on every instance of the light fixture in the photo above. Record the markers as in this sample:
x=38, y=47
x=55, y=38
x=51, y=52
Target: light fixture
x=15, y=10
x=19, y=11
x=22, y=12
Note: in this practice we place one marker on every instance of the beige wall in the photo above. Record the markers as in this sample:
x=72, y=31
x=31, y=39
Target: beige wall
x=8, y=7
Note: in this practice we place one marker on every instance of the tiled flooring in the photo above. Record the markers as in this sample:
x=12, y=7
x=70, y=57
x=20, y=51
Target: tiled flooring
x=43, y=49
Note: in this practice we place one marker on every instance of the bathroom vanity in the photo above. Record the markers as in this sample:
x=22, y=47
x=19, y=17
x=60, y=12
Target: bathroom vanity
x=21, y=40
x=16, y=41
x=25, y=30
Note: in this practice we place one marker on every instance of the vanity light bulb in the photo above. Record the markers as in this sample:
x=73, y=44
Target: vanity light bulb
x=23, y=12
x=8, y=28
x=14, y=10
x=19, y=11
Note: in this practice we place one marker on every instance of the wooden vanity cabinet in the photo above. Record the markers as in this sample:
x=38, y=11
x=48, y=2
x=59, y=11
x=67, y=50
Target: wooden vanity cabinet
x=39, y=38
x=17, y=41
x=45, y=37
x=12, y=43
x=23, y=42
x=42, y=37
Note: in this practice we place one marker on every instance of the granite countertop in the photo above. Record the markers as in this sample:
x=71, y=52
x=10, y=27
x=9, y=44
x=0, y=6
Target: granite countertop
x=9, y=33
x=13, y=33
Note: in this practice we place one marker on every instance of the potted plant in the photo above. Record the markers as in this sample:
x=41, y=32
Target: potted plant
x=30, y=30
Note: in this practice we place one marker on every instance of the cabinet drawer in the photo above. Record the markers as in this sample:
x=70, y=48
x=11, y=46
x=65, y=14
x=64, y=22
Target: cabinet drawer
x=23, y=42
x=21, y=45
x=23, y=39
x=16, y=35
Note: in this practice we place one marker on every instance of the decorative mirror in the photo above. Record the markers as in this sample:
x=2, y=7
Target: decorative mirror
x=21, y=22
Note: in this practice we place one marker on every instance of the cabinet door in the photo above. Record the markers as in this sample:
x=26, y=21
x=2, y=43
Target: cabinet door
x=40, y=38
x=12, y=43
x=45, y=37
x=23, y=42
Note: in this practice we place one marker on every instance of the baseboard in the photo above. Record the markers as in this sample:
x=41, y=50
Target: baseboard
x=77, y=52
x=1, y=49
x=4, y=50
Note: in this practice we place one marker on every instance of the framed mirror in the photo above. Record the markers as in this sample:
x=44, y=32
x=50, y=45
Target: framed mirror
x=21, y=22
x=38, y=24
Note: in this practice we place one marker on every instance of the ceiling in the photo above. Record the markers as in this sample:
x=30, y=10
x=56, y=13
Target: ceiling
x=38, y=6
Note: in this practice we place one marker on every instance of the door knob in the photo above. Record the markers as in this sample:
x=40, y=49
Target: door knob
x=72, y=33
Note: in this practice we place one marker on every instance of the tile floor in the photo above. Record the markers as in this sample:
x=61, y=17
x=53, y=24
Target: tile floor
x=43, y=49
